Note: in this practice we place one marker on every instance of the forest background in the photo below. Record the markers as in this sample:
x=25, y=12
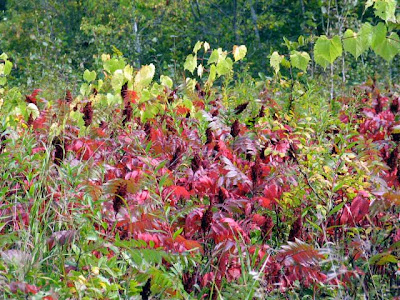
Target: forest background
x=51, y=40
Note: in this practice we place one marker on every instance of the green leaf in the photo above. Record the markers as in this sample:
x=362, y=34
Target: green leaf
x=7, y=67
x=78, y=118
x=275, y=61
x=285, y=63
x=149, y=112
x=369, y=3
x=301, y=40
x=381, y=259
x=317, y=227
x=224, y=66
x=386, y=47
x=85, y=89
x=144, y=77
x=351, y=43
x=378, y=35
x=176, y=233
x=365, y=34
x=190, y=63
x=213, y=57
x=212, y=75
x=197, y=47
x=357, y=43
x=335, y=209
x=385, y=9
x=239, y=52
x=387, y=259
x=299, y=60
x=89, y=76
x=113, y=64
x=113, y=99
x=166, y=81
x=327, y=50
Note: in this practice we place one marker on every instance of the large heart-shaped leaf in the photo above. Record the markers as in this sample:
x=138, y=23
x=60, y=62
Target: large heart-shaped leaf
x=327, y=50
x=299, y=60
x=385, y=46
x=358, y=43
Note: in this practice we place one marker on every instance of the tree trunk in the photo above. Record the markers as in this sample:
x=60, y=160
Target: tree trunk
x=137, y=42
x=254, y=19
x=235, y=31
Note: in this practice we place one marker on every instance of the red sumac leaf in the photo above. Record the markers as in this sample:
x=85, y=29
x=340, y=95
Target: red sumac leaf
x=300, y=253
x=23, y=287
x=357, y=211
x=180, y=191
x=272, y=191
x=265, y=202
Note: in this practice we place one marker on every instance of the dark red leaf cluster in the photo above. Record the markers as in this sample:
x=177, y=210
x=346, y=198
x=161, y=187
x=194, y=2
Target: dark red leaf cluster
x=68, y=97
x=88, y=113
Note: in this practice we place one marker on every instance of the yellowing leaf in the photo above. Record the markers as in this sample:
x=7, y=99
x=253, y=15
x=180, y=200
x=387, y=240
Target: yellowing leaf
x=144, y=77
x=239, y=52
x=200, y=70
x=33, y=110
x=166, y=81
x=275, y=61
x=190, y=63
x=128, y=72
x=206, y=46
x=190, y=84
x=117, y=80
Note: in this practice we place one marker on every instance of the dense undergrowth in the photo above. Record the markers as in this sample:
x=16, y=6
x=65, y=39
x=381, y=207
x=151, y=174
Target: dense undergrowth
x=156, y=191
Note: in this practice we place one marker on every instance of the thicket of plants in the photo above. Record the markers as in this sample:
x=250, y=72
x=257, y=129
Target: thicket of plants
x=216, y=186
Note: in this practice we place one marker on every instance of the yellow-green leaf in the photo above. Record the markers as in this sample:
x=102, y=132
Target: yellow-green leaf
x=166, y=81
x=144, y=77
x=239, y=52
x=190, y=63
x=89, y=76
x=32, y=109
x=275, y=61
x=299, y=60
